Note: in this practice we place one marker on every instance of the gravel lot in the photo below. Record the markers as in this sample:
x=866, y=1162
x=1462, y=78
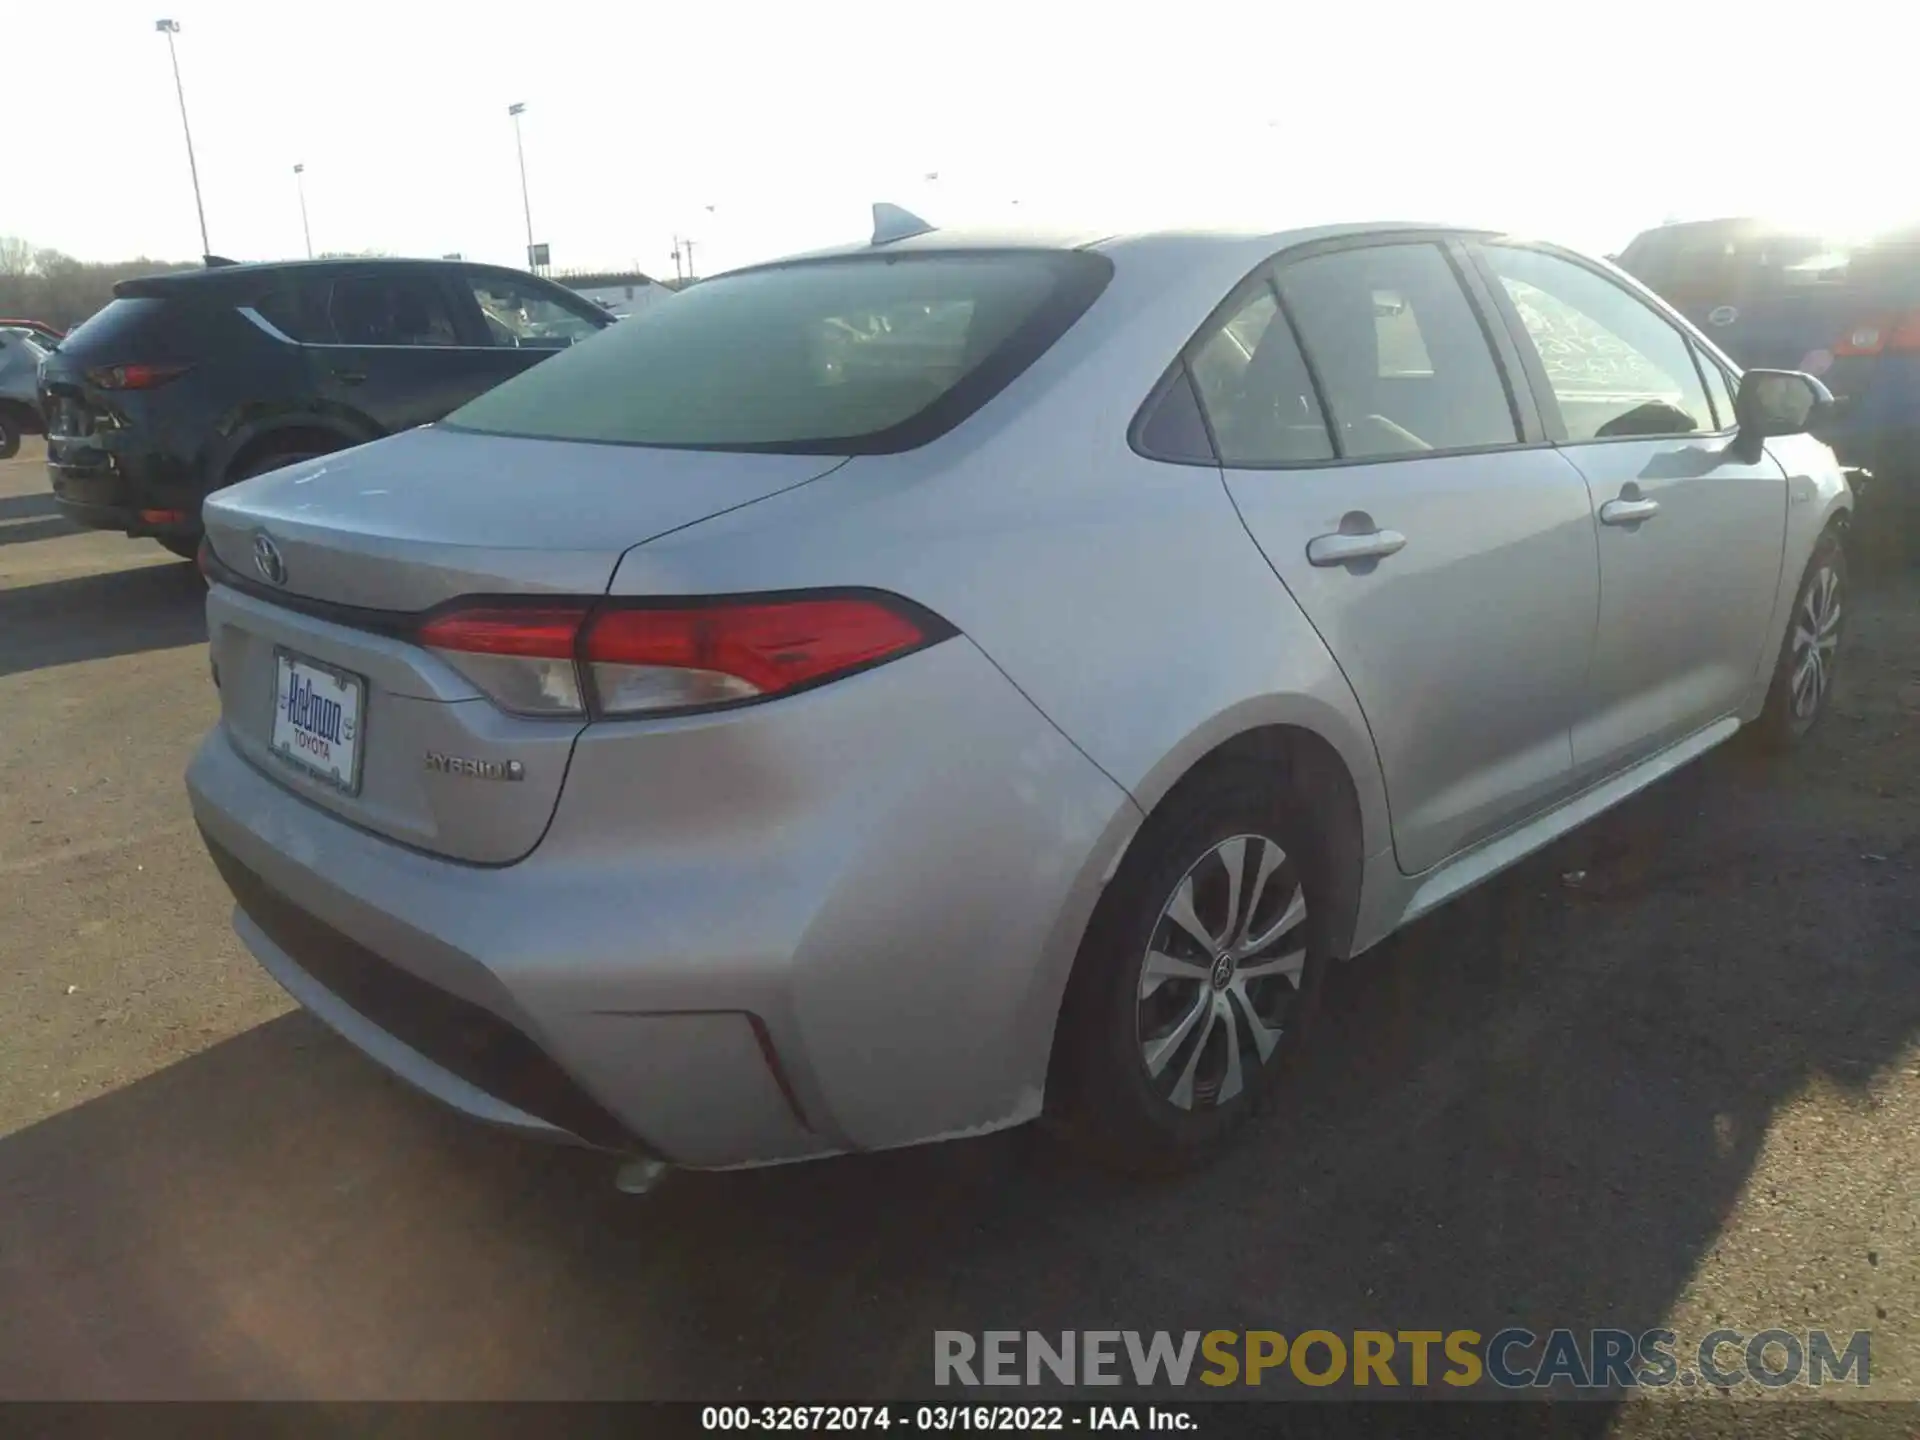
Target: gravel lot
x=1683, y=1088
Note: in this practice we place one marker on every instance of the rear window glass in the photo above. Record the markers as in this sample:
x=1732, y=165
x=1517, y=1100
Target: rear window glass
x=146, y=322
x=1726, y=261
x=826, y=357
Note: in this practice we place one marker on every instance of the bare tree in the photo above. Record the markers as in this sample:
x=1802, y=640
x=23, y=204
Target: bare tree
x=37, y=283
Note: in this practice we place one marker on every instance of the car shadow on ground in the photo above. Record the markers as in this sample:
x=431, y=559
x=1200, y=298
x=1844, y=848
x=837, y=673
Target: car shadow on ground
x=1536, y=1107
x=89, y=617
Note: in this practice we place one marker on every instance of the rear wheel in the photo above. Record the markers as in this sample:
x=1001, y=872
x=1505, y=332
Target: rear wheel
x=273, y=460
x=9, y=434
x=1198, y=977
x=187, y=547
x=1809, y=652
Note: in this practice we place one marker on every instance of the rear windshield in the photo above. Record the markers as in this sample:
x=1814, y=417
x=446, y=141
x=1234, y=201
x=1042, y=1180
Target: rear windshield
x=143, y=328
x=846, y=356
x=1729, y=260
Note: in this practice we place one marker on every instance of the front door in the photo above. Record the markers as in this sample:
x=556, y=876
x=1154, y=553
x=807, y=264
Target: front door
x=1448, y=565
x=1691, y=531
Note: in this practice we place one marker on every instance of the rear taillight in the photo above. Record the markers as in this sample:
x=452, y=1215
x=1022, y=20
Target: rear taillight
x=522, y=656
x=1883, y=334
x=135, y=377
x=624, y=659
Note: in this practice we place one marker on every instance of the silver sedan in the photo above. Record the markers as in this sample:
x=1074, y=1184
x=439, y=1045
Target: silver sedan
x=897, y=693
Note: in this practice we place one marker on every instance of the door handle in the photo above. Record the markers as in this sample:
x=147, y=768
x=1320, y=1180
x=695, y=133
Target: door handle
x=350, y=377
x=1628, y=512
x=1342, y=548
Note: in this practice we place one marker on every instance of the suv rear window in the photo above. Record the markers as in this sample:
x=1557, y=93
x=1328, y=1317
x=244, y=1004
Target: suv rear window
x=142, y=327
x=1727, y=260
x=863, y=355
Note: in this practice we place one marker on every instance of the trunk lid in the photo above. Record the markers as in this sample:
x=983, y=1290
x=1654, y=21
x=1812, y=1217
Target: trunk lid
x=427, y=516
x=367, y=538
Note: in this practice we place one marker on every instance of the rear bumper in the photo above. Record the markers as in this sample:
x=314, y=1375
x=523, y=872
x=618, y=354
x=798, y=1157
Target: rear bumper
x=838, y=922
x=105, y=493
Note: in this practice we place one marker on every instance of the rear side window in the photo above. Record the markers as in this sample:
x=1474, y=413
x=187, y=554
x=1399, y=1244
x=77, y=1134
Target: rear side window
x=298, y=310
x=390, y=310
x=1400, y=354
x=859, y=356
x=1255, y=388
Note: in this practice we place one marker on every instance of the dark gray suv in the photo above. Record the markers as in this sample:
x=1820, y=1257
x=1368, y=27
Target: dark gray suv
x=187, y=382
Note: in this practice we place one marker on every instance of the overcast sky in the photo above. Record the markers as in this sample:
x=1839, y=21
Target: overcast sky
x=1582, y=122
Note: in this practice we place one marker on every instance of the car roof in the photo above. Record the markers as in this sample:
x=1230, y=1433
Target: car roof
x=216, y=277
x=1251, y=242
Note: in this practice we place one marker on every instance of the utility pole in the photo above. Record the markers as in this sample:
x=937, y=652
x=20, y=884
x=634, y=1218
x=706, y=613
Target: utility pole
x=301, y=185
x=171, y=28
x=526, y=205
x=689, y=247
x=676, y=260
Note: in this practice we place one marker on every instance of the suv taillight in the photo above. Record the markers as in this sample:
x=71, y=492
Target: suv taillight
x=1883, y=334
x=619, y=658
x=134, y=377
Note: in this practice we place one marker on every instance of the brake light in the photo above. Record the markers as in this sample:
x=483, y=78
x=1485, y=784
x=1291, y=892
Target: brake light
x=1881, y=335
x=652, y=658
x=135, y=377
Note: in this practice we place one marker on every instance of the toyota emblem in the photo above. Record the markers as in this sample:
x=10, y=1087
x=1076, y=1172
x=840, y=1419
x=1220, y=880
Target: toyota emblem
x=266, y=559
x=1722, y=315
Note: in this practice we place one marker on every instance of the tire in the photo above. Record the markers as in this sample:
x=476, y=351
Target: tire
x=1797, y=700
x=187, y=547
x=9, y=435
x=1130, y=1085
x=274, y=460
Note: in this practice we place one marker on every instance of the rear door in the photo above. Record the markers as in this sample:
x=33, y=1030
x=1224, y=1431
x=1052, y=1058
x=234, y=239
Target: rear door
x=1691, y=534
x=396, y=351
x=1401, y=492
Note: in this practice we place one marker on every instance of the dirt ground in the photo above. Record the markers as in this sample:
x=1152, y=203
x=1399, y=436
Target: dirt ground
x=1667, y=1072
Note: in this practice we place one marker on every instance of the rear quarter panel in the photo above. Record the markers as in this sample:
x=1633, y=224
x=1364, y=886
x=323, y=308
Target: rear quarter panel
x=1122, y=596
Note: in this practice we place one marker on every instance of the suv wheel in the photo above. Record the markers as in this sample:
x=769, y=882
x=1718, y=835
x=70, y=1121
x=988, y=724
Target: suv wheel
x=1197, y=980
x=9, y=434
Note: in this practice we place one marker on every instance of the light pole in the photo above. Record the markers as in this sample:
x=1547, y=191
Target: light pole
x=301, y=186
x=526, y=205
x=171, y=28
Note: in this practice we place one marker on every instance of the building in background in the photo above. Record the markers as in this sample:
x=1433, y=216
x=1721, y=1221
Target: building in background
x=623, y=293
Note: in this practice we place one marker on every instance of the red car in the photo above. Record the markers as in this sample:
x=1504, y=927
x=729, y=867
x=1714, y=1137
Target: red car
x=39, y=327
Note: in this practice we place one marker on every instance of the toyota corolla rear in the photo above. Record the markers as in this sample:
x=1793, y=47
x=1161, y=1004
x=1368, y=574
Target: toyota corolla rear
x=671, y=867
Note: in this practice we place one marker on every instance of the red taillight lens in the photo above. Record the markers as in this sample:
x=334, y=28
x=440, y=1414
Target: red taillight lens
x=521, y=656
x=1882, y=334
x=135, y=377
x=546, y=632
x=652, y=658
x=1906, y=332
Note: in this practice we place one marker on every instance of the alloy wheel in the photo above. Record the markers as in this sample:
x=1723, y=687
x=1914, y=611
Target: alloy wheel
x=1816, y=639
x=1222, y=968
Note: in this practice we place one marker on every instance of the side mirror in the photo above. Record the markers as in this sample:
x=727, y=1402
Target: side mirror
x=1780, y=402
